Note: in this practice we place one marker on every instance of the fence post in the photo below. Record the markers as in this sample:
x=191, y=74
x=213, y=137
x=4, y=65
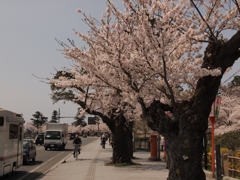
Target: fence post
x=218, y=162
x=234, y=163
x=205, y=151
x=229, y=171
x=222, y=162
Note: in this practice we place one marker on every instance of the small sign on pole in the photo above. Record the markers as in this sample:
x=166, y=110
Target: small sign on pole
x=216, y=107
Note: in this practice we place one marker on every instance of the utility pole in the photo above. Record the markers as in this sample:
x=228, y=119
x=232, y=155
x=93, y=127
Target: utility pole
x=62, y=117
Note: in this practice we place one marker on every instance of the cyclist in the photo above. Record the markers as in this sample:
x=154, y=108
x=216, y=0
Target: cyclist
x=103, y=140
x=77, y=142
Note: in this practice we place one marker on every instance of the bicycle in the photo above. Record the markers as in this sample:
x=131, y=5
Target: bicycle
x=103, y=145
x=76, y=151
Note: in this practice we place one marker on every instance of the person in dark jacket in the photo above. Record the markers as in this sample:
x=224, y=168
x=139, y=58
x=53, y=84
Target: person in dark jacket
x=103, y=140
x=77, y=141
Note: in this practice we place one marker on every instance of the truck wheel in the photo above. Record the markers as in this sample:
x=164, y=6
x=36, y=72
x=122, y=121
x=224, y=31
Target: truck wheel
x=46, y=148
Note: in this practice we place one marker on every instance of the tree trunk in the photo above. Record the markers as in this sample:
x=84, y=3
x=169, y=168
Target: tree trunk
x=184, y=133
x=185, y=158
x=130, y=138
x=121, y=142
x=185, y=130
x=122, y=136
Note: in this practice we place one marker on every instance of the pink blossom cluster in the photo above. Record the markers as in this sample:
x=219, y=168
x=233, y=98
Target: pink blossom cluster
x=153, y=50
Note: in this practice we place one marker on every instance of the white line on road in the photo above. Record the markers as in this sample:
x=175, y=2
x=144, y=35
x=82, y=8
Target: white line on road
x=39, y=166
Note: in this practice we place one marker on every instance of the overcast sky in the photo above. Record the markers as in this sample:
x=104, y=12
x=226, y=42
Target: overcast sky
x=27, y=46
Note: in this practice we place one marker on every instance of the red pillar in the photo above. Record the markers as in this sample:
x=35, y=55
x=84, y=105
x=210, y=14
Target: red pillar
x=212, y=119
x=153, y=148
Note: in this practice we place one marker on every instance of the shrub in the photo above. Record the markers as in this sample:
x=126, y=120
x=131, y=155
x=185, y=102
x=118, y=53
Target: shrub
x=230, y=140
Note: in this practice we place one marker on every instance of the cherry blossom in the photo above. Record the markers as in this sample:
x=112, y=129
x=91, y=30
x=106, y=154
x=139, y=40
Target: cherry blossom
x=158, y=56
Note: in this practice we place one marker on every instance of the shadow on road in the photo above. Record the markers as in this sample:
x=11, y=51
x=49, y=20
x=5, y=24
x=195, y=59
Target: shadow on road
x=18, y=174
x=60, y=150
x=33, y=163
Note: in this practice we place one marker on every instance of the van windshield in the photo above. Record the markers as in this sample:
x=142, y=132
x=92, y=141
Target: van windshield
x=52, y=135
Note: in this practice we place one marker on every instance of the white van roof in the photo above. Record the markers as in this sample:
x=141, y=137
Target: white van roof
x=11, y=116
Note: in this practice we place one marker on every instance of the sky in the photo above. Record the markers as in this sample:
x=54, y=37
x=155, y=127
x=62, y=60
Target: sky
x=28, y=48
x=28, y=30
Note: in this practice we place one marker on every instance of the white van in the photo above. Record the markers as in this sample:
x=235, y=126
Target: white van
x=11, y=136
x=55, y=136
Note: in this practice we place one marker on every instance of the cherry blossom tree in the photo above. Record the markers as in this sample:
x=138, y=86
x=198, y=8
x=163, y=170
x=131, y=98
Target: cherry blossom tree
x=29, y=126
x=95, y=100
x=42, y=129
x=71, y=129
x=229, y=115
x=164, y=56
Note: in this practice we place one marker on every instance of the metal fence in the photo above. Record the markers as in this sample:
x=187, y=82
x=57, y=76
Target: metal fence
x=142, y=144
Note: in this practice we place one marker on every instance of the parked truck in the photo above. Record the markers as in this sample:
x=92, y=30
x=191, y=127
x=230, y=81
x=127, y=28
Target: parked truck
x=55, y=136
x=11, y=141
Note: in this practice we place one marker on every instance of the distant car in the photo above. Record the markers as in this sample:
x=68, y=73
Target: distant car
x=71, y=136
x=84, y=135
x=39, y=139
x=29, y=151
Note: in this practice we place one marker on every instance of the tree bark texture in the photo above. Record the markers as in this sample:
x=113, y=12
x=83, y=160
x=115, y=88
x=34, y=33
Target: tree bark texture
x=121, y=149
x=129, y=128
x=122, y=137
x=184, y=134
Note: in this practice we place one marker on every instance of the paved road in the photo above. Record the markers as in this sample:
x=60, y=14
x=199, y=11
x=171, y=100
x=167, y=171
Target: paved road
x=44, y=161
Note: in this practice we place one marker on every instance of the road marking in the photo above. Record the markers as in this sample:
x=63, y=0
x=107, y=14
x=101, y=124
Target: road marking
x=39, y=166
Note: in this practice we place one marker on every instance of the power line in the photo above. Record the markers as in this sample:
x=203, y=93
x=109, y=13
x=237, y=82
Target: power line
x=231, y=76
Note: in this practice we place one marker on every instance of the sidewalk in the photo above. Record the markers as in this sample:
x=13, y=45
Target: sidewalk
x=91, y=166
